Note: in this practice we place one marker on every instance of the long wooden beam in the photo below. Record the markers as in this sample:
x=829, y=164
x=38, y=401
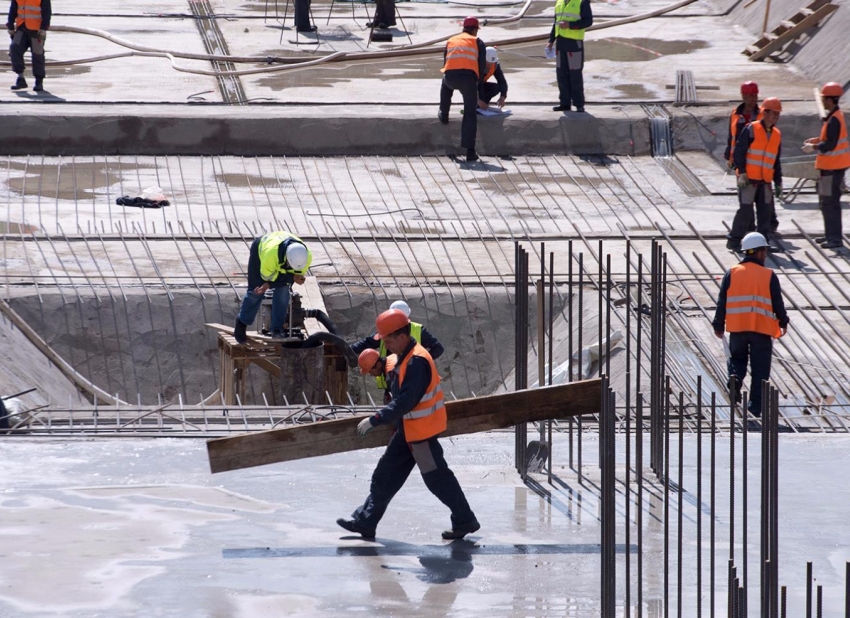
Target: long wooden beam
x=465, y=416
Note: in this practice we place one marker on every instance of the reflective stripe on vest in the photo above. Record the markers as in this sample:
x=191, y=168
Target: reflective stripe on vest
x=839, y=157
x=29, y=14
x=462, y=53
x=761, y=157
x=416, y=333
x=428, y=418
x=568, y=10
x=749, y=307
x=270, y=266
x=734, y=129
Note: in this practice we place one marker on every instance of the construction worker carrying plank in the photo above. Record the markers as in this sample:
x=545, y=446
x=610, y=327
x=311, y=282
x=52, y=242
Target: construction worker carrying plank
x=757, y=160
x=379, y=367
x=276, y=261
x=417, y=331
x=832, y=161
x=418, y=412
x=750, y=307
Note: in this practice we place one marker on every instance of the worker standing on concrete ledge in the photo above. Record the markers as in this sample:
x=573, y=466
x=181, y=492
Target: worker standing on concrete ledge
x=833, y=148
x=572, y=18
x=419, y=413
x=464, y=66
x=417, y=331
x=276, y=261
x=757, y=160
x=379, y=367
x=750, y=307
x=487, y=89
x=27, y=25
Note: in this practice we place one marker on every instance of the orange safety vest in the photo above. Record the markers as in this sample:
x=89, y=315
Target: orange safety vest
x=462, y=53
x=491, y=70
x=761, y=157
x=749, y=307
x=734, y=120
x=428, y=417
x=839, y=158
x=29, y=13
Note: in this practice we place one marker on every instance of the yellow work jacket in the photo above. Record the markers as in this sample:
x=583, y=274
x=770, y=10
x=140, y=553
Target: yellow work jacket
x=749, y=306
x=416, y=333
x=839, y=157
x=462, y=53
x=428, y=418
x=761, y=157
x=568, y=10
x=270, y=265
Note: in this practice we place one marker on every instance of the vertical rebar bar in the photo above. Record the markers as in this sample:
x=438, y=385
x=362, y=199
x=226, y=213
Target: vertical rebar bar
x=666, y=458
x=712, y=492
x=808, y=590
x=628, y=489
x=820, y=602
x=783, y=602
x=681, y=483
x=570, y=349
x=699, y=496
x=580, y=355
x=551, y=331
x=639, y=507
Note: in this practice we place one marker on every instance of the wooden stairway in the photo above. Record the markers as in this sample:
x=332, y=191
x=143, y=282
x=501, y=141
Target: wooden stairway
x=790, y=29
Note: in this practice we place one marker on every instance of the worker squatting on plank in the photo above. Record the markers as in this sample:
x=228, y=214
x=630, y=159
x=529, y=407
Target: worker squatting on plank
x=27, y=25
x=750, y=307
x=419, y=413
x=276, y=261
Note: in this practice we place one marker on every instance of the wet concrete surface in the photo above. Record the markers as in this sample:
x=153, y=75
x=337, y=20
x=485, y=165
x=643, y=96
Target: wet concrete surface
x=138, y=527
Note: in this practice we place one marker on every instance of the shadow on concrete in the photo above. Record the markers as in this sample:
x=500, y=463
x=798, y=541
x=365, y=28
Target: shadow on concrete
x=44, y=95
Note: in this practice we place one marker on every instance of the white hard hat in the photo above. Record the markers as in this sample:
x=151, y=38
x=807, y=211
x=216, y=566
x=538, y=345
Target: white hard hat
x=753, y=240
x=401, y=306
x=296, y=256
x=492, y=55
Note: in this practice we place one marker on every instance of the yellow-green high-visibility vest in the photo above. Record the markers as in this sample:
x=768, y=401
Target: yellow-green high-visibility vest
x=568, y=11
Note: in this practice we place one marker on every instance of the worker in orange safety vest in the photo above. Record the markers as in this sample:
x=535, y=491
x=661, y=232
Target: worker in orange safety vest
x=418, y=412
x=757, y=161
x=379, y=367
x=464, y=67
x=27, y=25
x=751, y=309
x=833, y=150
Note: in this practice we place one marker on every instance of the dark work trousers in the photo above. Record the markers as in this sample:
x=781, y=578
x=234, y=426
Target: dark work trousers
x=744, y=222
x=829, y=190
x=22, y=41
x=384, y=12
x=467, y=83
x=489, y=90
x=392, y=471
x=251, y=302
x=302, y=15
x=570, y=64
x=758, y=348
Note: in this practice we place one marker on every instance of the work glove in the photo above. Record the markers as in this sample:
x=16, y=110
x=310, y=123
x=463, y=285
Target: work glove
x=808, y=148
x=777, y=191
x=42, y=35
x=365, y=426
x=743, y=181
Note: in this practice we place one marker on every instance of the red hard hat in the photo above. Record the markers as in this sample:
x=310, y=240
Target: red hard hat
x=367, y=360
x=832, y=89
x=389, y=322
x=470, y=22
x=749, y=88
x=772, y=103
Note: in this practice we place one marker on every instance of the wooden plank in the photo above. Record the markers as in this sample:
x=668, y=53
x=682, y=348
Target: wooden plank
x=465, y=416
x=793, y=33
x=228, y=330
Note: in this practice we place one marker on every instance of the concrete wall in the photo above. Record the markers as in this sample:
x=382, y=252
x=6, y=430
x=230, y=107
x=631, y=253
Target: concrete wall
x=79, y=130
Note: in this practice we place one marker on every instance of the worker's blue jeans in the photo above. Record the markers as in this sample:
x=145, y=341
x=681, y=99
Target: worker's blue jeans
x=251, y=302
x=392, y=471
x=758, y=349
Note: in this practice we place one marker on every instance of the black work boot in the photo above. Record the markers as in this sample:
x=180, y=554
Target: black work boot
x=461, y=531
x=240, y=332
x=356, y=528
x=39, y=84
x=20, y=84
x=471, y=155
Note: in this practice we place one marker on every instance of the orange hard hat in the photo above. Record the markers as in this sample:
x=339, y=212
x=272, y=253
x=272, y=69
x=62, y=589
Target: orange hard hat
x=772, y=103
x=389, y=322
x=832, y=89
x=749, y=88
x=367, y=360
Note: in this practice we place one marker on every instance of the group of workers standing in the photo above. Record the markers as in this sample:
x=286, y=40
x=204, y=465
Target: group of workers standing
x=468, y=66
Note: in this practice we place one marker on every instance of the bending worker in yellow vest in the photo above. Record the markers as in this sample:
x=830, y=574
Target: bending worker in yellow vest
x=572, y=17
x=757, y=160
x=27, y=25
x=419, y=414
x=750, y=307
x=833, y=148
x=276, y=261
x=464, y=66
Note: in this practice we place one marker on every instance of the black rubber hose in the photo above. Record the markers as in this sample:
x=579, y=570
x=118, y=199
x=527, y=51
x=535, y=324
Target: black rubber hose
x=314, y=339
x=323, y=318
